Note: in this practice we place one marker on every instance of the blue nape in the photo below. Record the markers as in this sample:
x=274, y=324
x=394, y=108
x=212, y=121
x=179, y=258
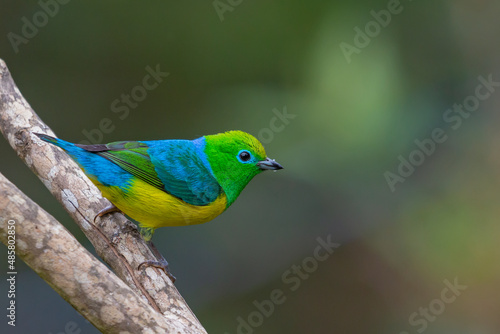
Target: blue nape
x=184, y=170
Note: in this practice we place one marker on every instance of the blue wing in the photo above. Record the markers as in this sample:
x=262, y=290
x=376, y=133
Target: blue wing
x=173, y=166
x=184, y=172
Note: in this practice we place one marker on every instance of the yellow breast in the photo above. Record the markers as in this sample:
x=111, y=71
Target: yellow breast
x=154, y=208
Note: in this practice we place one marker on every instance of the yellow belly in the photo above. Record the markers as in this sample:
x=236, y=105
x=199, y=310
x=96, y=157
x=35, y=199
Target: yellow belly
x=154, y=208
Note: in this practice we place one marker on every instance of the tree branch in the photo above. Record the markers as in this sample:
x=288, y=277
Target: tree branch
x=82, y=200
x=54, y=254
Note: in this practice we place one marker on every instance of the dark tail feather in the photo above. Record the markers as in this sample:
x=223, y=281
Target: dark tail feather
x=47, y=138
x=70, y=148
x=65, y=145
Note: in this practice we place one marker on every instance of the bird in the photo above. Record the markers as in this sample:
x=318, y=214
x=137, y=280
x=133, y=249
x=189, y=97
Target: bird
x=173, y=182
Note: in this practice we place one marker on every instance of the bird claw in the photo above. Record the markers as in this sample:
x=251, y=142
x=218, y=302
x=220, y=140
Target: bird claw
x=162, y=264
x=110, y=208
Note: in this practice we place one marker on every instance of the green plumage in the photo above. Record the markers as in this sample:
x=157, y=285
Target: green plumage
x=232, y=174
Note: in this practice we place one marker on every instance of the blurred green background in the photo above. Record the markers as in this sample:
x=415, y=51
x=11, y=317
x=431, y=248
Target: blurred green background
x=355, y=117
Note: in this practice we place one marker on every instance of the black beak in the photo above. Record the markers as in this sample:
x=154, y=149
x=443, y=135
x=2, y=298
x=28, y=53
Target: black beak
x=269, y=164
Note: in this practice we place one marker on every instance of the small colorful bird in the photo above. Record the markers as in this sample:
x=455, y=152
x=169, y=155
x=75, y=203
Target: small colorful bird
x=171, y=182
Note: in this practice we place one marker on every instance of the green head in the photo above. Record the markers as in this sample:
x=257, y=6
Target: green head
x=236, y=157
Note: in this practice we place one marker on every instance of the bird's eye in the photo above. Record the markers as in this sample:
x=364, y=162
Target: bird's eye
x=244, y=156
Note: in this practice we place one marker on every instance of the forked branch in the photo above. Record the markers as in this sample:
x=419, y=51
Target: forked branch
x=144, y=292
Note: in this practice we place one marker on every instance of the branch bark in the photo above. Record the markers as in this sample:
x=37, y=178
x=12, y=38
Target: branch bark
x=54, y=254
x=123, y=251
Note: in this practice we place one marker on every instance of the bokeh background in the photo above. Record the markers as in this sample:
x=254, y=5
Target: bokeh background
x=234, y=68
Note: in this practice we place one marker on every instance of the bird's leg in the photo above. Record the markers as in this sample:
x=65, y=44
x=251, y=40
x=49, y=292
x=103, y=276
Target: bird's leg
x=110, y=208
x=161, y=263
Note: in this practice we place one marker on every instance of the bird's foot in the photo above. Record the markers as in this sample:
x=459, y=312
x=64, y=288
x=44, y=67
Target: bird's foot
x=162, y=264
x=110, y=208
